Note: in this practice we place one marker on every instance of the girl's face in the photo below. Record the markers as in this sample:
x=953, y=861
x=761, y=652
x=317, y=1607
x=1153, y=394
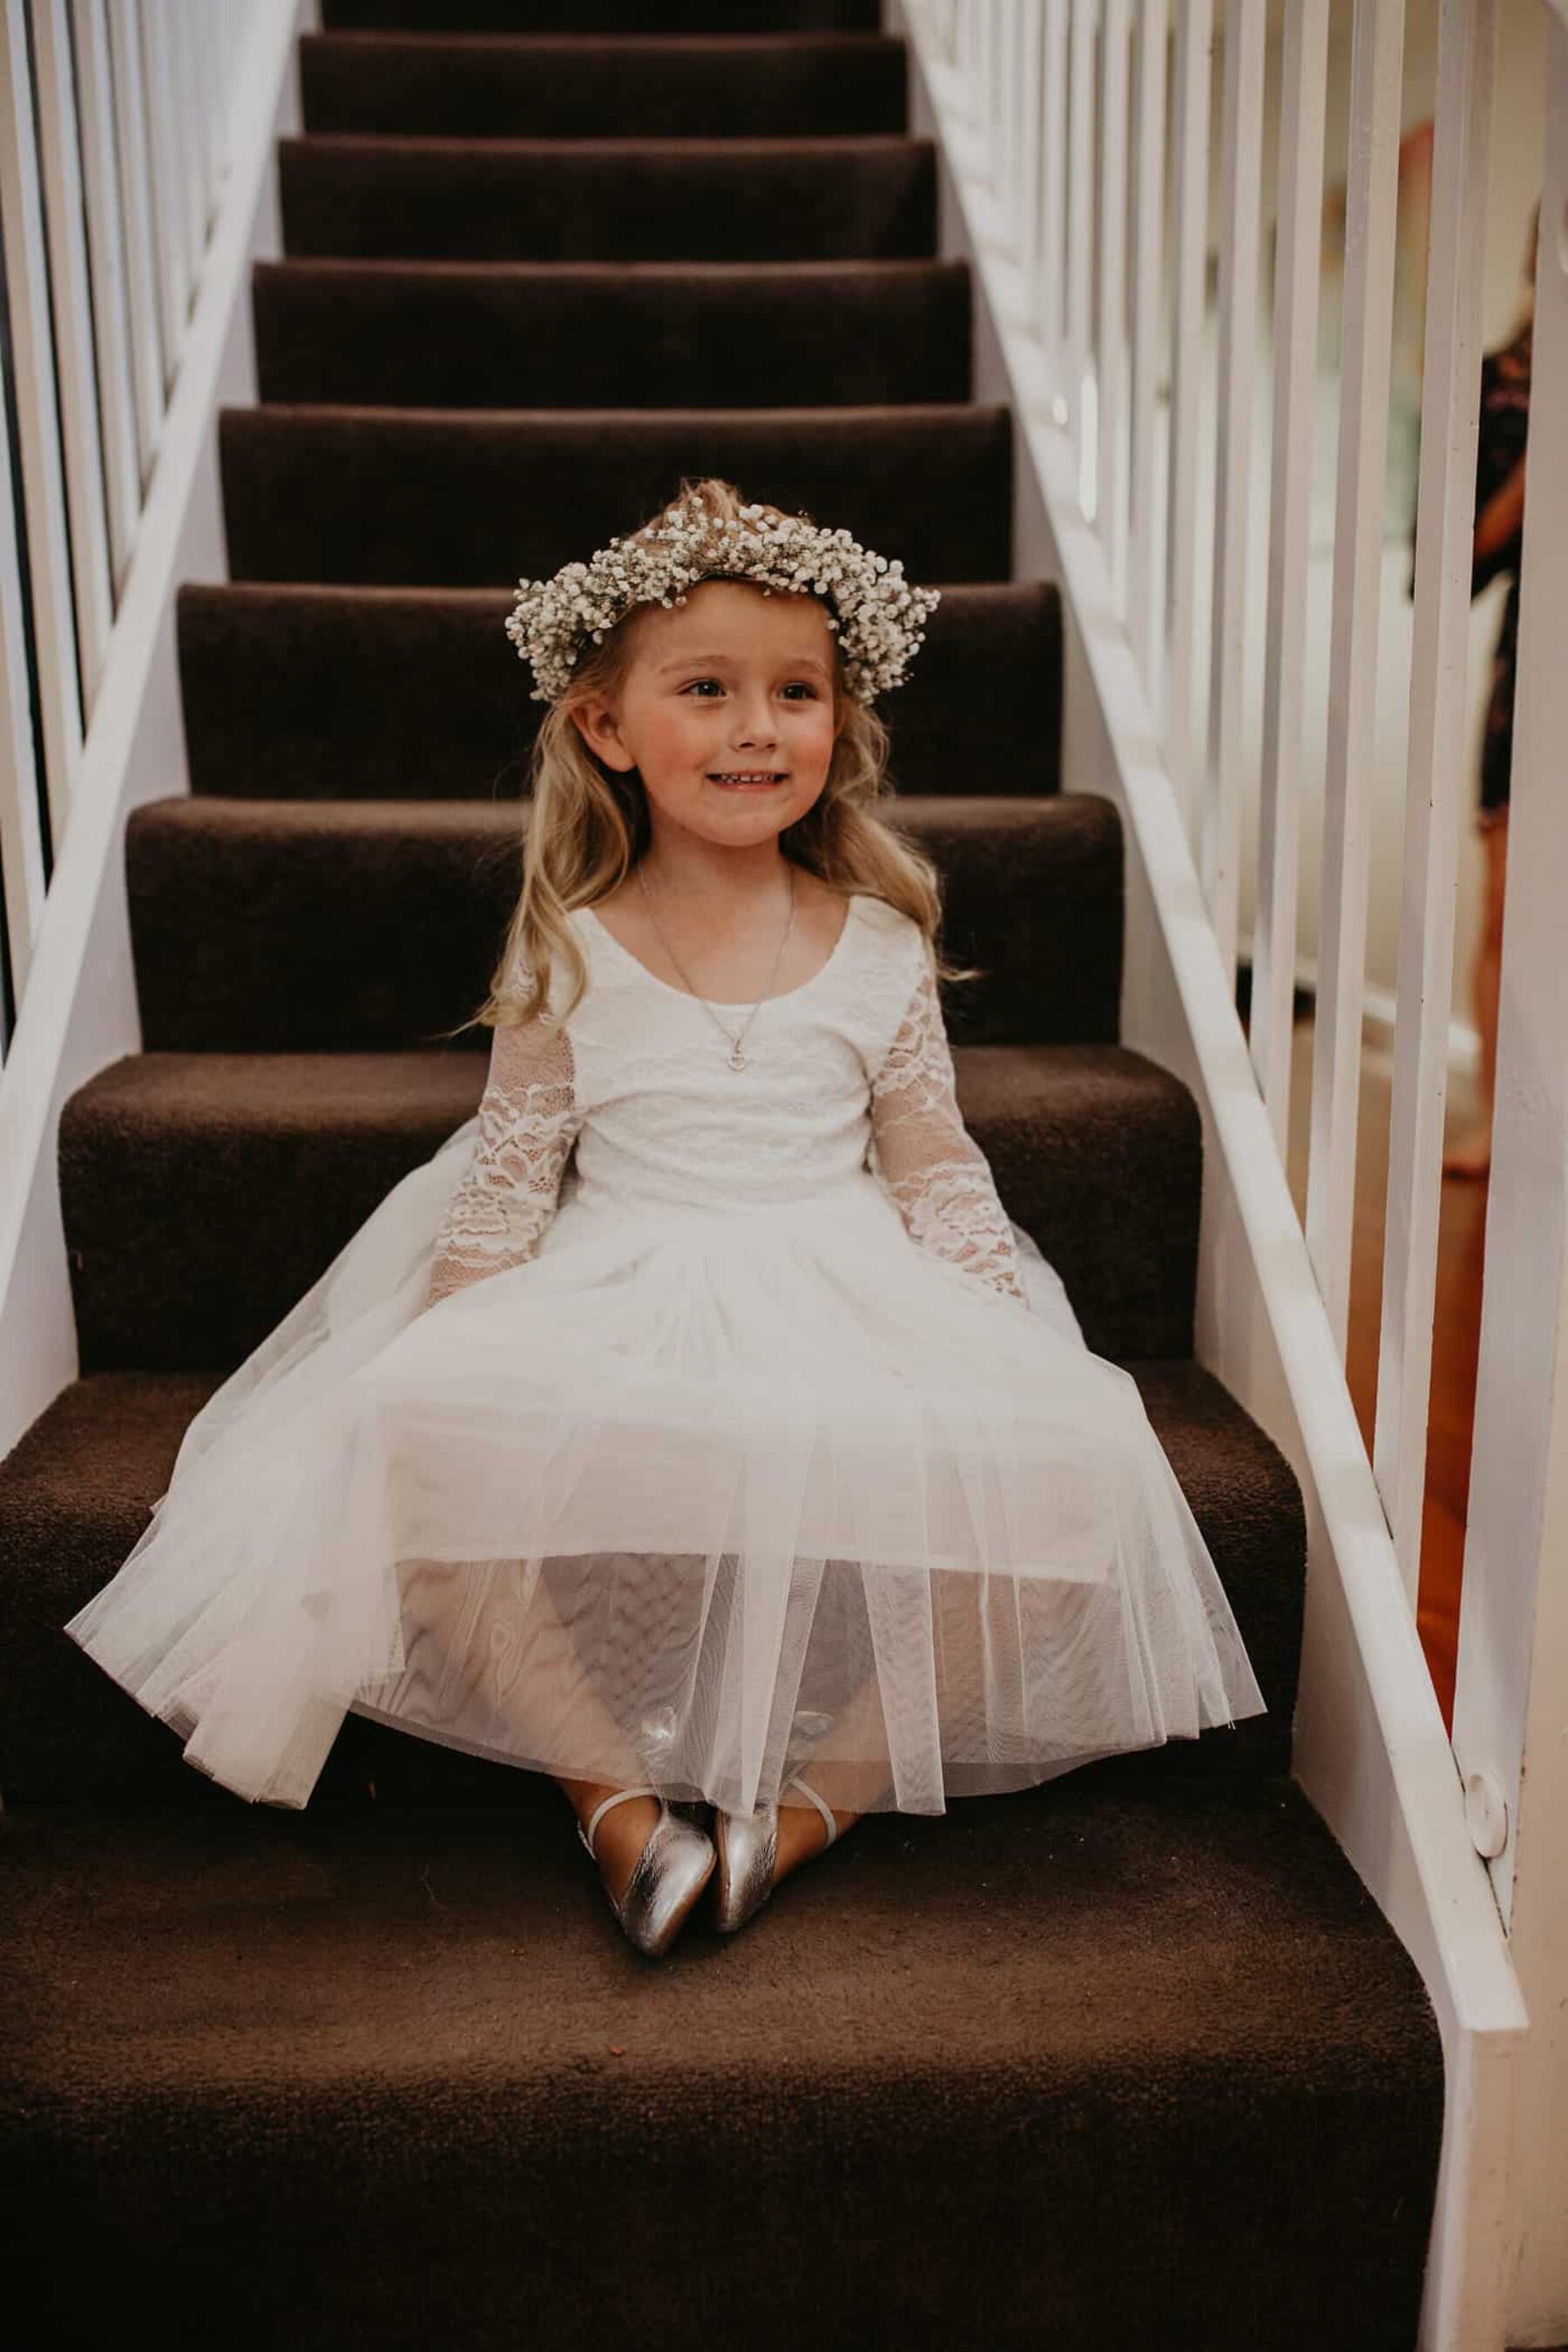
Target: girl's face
x=731, y=684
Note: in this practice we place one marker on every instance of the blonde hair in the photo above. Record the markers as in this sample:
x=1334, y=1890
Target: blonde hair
x=589, y=824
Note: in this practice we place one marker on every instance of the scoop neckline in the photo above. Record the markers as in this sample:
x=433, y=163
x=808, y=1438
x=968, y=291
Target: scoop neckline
x=730, y=1004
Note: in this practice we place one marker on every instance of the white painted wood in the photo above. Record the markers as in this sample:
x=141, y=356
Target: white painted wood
x=112, y=325
x=1510, y=1711
x=1052, y=310
x=21, y=834
x=1030, y=37
x=1111, y=374
x=1437, y=779
x=192, y=131
x=1303, y=82
x=1370, y=1743
x=43, y=473
x=1148, y=227
x=1520, y=1444
x=1242, y=109
x=61, y=162
x=1190, y=131
x=80, y=1009
x=172, y=268
x=143, y=301
x=1370, y=192
x=1079, y=222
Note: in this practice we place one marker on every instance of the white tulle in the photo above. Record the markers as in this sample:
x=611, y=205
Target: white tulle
x=686, y=1424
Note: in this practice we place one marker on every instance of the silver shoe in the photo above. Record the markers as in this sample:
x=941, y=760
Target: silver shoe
x=747, y=1847
x=667, y=1878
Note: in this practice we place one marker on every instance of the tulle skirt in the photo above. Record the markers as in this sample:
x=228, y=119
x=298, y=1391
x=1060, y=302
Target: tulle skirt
x=694, y=1499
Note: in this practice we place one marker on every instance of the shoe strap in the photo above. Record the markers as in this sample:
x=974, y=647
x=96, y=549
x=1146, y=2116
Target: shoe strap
x=823, y=1807
x=618, y=1797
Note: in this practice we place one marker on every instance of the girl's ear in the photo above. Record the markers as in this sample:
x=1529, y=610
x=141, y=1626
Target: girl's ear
x=596, y=722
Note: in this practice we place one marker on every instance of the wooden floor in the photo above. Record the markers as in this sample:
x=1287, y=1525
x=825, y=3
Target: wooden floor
x=1456, y=1328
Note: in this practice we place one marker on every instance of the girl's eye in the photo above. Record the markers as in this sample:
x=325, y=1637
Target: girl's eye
x=808, y=690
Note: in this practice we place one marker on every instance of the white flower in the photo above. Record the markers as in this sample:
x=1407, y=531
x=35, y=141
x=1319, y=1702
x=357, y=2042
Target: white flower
x=875, y=615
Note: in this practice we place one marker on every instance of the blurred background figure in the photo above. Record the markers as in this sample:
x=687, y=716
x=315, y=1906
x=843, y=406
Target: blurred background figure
x=1500, y=519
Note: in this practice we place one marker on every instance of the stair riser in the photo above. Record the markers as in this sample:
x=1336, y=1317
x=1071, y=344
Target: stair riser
x=321, y=695
x=457, y=501
x=571, y=88
x=507, y=335
x=615, y=16
x=273, y=927
x=696, y=201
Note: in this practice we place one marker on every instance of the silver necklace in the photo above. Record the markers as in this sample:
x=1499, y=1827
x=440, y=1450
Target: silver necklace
x=737, y=1059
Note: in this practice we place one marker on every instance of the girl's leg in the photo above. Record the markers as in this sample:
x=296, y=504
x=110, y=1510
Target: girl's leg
x=548, y=1683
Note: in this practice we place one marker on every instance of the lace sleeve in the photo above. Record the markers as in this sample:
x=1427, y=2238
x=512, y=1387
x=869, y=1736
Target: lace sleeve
x=529, y=1119
x=935, y=1171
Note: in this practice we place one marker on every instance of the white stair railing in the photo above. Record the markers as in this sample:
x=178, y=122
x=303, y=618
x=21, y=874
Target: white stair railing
x=113, y=154
x=1094, y=235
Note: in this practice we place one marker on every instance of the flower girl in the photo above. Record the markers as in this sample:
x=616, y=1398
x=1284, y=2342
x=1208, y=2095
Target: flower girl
x=695, y=1426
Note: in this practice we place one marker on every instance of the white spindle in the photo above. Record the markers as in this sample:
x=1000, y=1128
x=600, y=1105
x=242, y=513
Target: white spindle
x=1080, y=213
x=1030, y=31
x=193, y=196
x=1437, y=780
x=1111, y=305
x=143, y=301
x=111, y=326
x=1243, y=157
x=1189, y=119
x=174, y=277
x=61, y=165
x=21, y=834
x=1052, y=272
x=1372, y=185
x=43, y=472
x=1304, y=69
x=1148, y=202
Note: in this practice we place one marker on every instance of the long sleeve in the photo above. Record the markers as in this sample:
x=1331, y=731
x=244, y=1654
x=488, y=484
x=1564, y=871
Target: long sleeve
x=528, y=1117
x=936, y=1173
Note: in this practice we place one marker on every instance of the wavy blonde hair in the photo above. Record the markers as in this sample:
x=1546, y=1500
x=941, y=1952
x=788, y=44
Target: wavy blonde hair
x=589, y=824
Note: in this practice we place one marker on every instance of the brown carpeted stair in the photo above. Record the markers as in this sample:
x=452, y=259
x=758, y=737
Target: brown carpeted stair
x=1126, y=2063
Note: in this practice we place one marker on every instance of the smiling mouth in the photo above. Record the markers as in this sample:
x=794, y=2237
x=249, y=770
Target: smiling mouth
x=746, y=775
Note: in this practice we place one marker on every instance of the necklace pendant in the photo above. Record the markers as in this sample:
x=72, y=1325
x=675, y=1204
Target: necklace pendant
x=737, y=1059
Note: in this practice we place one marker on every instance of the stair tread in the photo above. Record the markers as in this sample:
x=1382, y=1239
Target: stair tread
x=262, y=923
x=308, y=689
x=1096, y=1151
x=566, y=83
x=870, y=193
x=225, y=1950
x=458, y=498
x=477, y=333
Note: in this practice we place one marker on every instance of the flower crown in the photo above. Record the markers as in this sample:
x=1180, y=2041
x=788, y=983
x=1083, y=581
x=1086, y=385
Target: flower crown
x=872, y=609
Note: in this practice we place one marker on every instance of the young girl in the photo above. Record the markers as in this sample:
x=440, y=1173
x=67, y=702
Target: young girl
x=695, y=1426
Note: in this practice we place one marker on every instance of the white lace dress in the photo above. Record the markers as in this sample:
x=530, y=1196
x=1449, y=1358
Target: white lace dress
x=690, y=1425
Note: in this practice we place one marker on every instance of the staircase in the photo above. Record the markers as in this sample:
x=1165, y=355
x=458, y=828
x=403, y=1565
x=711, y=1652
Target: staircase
x=1128, y=2062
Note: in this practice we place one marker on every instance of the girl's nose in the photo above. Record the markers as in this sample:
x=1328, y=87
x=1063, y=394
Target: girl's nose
x=756, y=727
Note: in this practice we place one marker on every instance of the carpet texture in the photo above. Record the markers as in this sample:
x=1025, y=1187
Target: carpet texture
x=1129, y=2063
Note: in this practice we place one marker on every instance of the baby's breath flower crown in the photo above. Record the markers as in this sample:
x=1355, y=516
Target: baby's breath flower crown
x=873, y=610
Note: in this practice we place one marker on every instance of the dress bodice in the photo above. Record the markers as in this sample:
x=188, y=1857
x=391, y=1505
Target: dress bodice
x=668, y=1122
x=626, y=1105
